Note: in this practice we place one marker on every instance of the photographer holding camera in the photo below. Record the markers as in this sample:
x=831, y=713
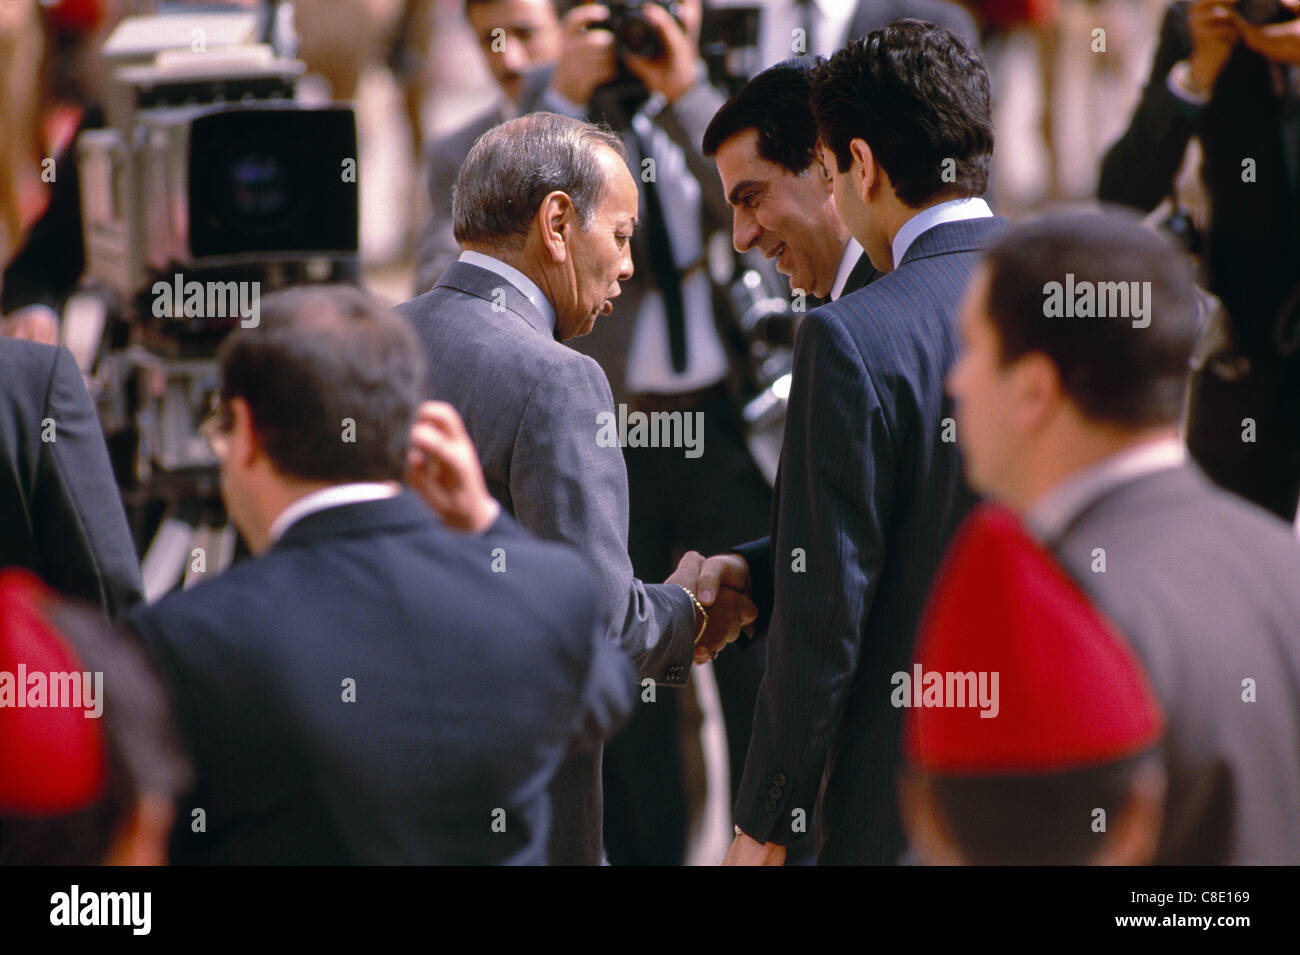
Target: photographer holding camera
x=1228, y=73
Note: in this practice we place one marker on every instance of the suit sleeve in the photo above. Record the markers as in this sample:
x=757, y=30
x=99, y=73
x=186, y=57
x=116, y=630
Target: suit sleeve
x=567, y=487
x=1139, y=169
x=86, y=547
x=758, y=554
x=836, y=493
x=609, y=690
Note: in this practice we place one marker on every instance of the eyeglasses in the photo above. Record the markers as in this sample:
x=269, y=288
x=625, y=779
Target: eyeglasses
x=215, y=429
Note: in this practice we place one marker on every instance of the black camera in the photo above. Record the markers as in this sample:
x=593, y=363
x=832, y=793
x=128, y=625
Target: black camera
x=633, y=33
x=1259, y=11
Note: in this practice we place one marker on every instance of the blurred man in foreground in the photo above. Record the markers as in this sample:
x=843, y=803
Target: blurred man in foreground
x=372, y=687
x=1069, y=415
x=92, y=762
x=1031, y=728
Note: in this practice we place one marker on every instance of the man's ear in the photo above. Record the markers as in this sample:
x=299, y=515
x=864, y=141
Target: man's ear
x=245, y=442
x=1038, y=390
x=927, y=830
x=556, y=218
x=142, y=833
x=823, y=169
x=1134, y=834
x=865, y=172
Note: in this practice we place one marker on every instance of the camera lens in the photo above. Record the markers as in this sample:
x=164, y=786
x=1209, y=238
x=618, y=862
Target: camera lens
x=257, y=186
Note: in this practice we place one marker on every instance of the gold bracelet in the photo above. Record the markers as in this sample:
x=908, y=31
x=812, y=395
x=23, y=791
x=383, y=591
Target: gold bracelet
x=703, y=613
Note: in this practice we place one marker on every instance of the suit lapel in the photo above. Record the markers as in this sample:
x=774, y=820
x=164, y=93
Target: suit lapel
x=863, y=274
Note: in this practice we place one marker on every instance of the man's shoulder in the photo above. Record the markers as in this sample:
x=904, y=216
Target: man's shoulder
x=218, y=605
x=434, y=568
x=1180, y=514
x=452, y=320
x=26, y=361
x=893, y=308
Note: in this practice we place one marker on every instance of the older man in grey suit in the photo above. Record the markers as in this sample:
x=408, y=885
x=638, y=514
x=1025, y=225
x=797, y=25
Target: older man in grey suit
x=544, y=209
x=1068, y=411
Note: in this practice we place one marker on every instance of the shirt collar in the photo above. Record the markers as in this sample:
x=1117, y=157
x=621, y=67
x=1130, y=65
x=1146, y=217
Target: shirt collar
x=526, y=286
x=852, y=253
x=954, y=210
x=335, y=496
x=1052, y=513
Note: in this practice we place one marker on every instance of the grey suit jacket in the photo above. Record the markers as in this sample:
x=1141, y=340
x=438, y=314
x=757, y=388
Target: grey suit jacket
x=530, y=405
x=1207, y=588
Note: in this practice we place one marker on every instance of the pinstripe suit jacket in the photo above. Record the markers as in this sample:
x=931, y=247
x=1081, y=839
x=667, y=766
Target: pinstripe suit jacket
x=530, y=405
x=868, y=495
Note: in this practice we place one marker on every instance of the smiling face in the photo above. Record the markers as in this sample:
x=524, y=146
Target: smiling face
x=785, y=216
x=530, y=37
x=598, y=257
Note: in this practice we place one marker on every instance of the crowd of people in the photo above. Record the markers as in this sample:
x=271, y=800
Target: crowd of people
x=1021, y=590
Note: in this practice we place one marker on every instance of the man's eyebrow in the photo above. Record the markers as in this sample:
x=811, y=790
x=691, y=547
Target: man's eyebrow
x=733, y=197
x=628, y=223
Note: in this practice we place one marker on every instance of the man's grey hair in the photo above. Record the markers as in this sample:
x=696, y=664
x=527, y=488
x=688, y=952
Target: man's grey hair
x=514, y=166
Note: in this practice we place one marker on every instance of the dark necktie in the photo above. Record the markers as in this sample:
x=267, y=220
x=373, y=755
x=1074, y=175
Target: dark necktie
x=664, y=268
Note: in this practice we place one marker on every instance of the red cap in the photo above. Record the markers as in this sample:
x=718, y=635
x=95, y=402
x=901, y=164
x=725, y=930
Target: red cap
x=1071, y=693
x=51, y=757
x=73, y=16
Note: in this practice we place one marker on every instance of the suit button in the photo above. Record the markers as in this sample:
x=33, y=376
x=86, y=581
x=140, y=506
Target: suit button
x=775, y=792
x=769, y=805
x=778, y=779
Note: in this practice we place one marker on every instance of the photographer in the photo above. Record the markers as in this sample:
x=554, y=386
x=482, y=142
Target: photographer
x=1226, y=72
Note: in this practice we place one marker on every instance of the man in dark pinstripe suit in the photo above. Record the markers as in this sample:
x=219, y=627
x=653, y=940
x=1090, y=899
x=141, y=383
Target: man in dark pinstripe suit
x=870, y=487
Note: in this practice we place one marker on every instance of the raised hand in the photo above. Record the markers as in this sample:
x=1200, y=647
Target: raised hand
x=587, y=58
x=443, y=468
x=678, y=67
x=1279, y=42
x=1214, y=34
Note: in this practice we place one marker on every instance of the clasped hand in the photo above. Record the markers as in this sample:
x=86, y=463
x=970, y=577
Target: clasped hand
x=721, y=584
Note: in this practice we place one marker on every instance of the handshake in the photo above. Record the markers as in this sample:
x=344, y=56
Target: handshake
x=443, y=468
x=721, y=584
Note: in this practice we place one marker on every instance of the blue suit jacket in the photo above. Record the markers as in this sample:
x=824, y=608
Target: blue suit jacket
x=868, y=495
x=471, y=684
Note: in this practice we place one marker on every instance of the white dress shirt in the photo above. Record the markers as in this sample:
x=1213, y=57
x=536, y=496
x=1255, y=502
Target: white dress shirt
x=649, y=357
x=335, y=496
x=849, y=261
x=1052, y=513
x=954, y=210
x=526, y=286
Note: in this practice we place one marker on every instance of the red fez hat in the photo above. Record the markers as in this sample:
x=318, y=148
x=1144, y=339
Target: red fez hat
x=1069, y=691
x=51, y=757
x=72, y=16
